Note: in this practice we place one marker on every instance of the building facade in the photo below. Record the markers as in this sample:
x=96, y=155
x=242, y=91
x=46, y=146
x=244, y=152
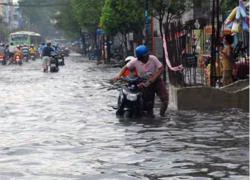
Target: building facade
x=9, y=15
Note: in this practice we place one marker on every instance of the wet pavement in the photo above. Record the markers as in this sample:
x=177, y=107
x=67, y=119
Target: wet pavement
x=63, y=126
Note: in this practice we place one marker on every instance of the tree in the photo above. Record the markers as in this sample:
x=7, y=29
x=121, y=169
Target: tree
x=4, y=32
x=34, y=16
x=37, y=16
x=87, y=13
x=227, y=6
x=65, y=19
x=50, y=17
x=168, y=10
x=120, y=16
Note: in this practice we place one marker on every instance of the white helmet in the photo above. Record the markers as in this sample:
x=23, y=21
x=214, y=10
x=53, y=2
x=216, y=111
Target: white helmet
x=129, y=58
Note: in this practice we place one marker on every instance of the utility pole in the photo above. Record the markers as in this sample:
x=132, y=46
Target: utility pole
x=218, y=38
x=218, y=21
x=152, y=35
x=213, y=47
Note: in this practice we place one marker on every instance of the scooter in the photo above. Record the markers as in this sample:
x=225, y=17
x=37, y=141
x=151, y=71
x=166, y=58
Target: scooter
x=61, y=59
x=53, y=65
x=130, y=101
x=18, y=60
x=32, y=57
x=26, y=57
x=2, y=59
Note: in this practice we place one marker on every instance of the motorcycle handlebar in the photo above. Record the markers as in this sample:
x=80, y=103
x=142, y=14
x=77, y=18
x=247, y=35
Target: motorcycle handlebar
x=133, y=79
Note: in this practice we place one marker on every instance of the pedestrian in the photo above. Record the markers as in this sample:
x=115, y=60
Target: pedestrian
x=227, y=60
x=40, y=49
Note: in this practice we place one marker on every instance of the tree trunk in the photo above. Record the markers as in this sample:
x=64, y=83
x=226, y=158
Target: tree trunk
x=108, y=48
x=213, y=49
x=125, y=45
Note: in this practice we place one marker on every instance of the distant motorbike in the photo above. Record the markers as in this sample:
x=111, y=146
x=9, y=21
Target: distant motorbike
x=65, y=51
x=53, y=65
x=25, y=57
x=93, y=55
x=117, y=55
x=61, y=59
x=2, y=59
x=33, y=57
x=18, y=60
x=130, y=101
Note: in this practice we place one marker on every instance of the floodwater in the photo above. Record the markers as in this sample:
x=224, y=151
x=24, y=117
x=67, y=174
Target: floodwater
x=63, y=126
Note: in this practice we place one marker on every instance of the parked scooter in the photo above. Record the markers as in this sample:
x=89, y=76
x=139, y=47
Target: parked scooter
x=130, y=101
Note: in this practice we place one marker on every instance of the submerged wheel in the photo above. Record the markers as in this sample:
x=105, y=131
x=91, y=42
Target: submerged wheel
x=127, y=114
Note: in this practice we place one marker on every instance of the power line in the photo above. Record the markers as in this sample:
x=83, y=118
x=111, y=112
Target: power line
x=32, y=5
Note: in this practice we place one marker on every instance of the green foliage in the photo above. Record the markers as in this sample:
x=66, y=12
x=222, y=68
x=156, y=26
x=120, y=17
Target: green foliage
x=49, y=20
x=87, y=13
x=65, y=20
x=122, y=16
x=170, y=8
x=107, y=13
x=227, y=6
x=37, y=17
x=4, y=32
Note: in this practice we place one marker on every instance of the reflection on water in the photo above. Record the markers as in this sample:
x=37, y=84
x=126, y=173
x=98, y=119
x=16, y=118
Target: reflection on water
x=63, y=126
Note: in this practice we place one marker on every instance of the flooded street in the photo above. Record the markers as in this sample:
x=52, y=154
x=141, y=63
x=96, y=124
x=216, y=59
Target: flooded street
x=63, y=126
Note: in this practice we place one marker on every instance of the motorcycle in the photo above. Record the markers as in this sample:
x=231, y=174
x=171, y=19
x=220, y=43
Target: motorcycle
x=65, y=51
x=2, y=59
x=53, y=65
x=32, y=57
x=93, y=55
x=18, y=60
x=116, y=55
x=130, y=101
x=61, y=59
x=25, y=57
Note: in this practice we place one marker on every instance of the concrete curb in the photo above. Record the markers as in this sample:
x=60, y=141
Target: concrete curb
x=206, y=98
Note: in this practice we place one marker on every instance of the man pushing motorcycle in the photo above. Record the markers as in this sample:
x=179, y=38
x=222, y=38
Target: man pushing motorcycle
x=144, y=64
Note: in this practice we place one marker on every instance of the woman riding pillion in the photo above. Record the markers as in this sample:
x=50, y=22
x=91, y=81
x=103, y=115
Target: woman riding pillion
x=148, y=64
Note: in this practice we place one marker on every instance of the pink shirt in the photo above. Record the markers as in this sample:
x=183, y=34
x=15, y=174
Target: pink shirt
x=151, y=66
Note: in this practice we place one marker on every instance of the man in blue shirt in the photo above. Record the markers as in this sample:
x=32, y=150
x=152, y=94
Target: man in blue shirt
x=46, y=54
x=40, y=49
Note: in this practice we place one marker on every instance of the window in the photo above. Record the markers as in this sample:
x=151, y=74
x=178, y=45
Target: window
x=19, y=37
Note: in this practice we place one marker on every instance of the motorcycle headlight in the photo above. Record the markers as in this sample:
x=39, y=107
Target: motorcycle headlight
x=132, y=97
